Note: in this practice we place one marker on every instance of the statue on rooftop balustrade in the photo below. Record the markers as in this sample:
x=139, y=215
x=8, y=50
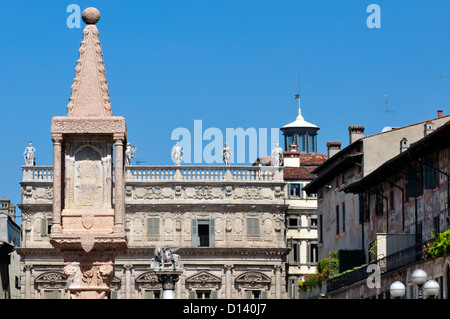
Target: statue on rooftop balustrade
x=177, y=154
x=129, y=153
x=226, y=154
x=277, y=154
x=28, y=155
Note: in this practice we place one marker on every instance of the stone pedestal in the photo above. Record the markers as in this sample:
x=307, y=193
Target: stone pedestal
x=89, y=274
x=88, y=175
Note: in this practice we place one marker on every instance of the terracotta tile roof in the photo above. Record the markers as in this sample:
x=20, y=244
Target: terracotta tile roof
x=298, y=173
x=313, y=159
x=308, y=162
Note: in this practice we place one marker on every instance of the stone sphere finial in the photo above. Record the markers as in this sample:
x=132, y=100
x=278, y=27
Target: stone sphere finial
x=90, y=15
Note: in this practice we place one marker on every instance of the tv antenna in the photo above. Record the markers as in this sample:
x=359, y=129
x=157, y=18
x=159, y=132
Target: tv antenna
x=386, y=109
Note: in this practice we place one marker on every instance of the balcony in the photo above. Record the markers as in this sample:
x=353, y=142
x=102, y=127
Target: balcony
x=204, y=173
x=166, y=185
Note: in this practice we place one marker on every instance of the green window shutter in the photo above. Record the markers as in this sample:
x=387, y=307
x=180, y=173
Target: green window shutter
x=361, y=208
x=153, y=226
x=212, y=232
x=252, y=226
x=248, y=294
x=113, y=294
x=194, y=233
x=429, y=174
x=264, y=294
x=214, y=294
x=44, y=226
x=412, y=182
x=192, y=294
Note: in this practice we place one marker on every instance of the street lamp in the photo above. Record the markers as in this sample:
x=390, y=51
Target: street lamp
x=431, y=289
x=419, y=277
x=397, y=289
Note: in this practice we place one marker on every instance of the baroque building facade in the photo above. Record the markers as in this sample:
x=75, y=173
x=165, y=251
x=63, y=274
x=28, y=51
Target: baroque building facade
x=227, y=221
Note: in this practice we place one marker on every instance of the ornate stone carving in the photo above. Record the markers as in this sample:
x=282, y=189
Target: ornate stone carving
x=90, y=95
x=138, y=225
x=203, y=280
x=88, y=178
x=268, y=226
x=250, y=193
x=168, y=226
x=238, y=226
x=88, y=125
x=203, y=192
x=253, y=278
x=152, y=192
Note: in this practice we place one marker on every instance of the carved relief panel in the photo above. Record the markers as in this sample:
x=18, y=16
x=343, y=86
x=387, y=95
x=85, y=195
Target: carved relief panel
x=88, y=174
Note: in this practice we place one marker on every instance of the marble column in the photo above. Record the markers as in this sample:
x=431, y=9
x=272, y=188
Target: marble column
x=57, y=182
x=277, y=281
x=119, y=183
x=127, y=280
x=228, y=283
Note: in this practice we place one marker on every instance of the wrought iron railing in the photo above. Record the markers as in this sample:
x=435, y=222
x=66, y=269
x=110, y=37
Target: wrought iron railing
x=389, y=263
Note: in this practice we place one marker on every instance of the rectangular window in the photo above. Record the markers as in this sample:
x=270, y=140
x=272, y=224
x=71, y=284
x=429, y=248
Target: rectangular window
x=313, y=222
x=301, y=140
x=343, y=217
x=292, y=222
x=289, y=140
x=313, y=253
x=312, y=143
x=203, y=232
x=46, y=225
x=430, y=176
x=320, y=229
x=412, y=182
x=152, y=226
x=252, y=226
x=294, y=190
x=337, y=219
x=361, y=208
x=379, y=204
x=436, y=224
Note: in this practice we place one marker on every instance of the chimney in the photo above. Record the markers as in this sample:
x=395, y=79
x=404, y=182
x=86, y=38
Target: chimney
x=428, y=127
x=291, y=158
x=440, y=114
x=355, y=133
x=333, y=148
x=404, y=144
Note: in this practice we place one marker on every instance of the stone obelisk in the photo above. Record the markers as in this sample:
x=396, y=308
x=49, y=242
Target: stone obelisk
x=88, y=175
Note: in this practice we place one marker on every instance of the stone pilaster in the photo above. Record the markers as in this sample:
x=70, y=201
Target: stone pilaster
x=57, y=182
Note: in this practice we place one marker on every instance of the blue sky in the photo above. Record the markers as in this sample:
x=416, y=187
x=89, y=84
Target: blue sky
x=228, y=63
